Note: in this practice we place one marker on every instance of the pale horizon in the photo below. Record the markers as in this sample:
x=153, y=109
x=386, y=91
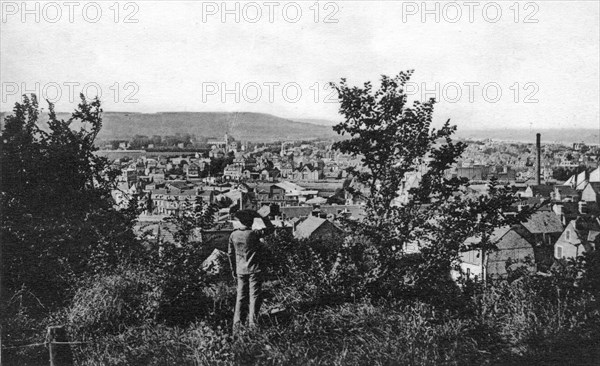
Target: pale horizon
x=177, y=51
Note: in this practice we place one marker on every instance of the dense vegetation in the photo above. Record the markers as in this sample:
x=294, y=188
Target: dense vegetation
x=70, y=258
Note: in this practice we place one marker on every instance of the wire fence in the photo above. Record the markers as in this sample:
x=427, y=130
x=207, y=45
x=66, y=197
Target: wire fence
x=57, y=344
x=42, y=344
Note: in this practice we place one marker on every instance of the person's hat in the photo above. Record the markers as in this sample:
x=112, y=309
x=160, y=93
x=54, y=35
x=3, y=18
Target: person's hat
x=246, y=217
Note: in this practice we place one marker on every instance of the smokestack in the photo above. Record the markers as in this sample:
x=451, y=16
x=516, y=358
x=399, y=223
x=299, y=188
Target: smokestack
x=538, y=166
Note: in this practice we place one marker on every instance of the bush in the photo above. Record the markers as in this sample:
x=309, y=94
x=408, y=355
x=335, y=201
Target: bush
x=109, y=304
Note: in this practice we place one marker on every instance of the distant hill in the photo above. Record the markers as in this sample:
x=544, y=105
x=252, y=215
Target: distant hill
x=266, y=127
x=242, y=126
x=320, y=122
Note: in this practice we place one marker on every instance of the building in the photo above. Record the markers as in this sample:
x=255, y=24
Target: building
x=233, y=172
x=316, y=228
x=193, y=170
x=591, y=192
x=514, y=250
x=474, y=172
x=541, y=190
x=581, y=235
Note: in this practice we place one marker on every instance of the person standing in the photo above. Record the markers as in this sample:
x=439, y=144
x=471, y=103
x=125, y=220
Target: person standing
x=246, y=261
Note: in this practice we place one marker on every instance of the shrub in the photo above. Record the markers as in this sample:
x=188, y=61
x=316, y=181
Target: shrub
x=109, y=304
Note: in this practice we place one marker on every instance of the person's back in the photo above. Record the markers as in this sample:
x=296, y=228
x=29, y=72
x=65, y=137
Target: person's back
x=245, y=258
x=246, y=245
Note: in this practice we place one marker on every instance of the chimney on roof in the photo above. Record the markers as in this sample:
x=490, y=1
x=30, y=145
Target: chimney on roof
x=558, y=209
x=538, y=165
x=582, y=207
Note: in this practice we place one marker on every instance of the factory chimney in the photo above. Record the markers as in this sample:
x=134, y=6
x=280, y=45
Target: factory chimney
x=538, y=165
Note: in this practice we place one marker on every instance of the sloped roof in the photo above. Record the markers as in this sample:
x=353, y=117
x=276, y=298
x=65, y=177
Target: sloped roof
x=542, y=190
x=216, y=262
x=307, y=227
x=581, y=185
x=316, y=200
x=531, y=201
x=566, y=190
x=264, y=211
x=595, y=175
x=592, y=235
x=295, y=211
x=594, y=185
x=497, y=234
x=289, y=186
x=157, y=231
x=356, y=211
x=179, y=184
x=572, y=181
x=543, y=222
x=571, y=209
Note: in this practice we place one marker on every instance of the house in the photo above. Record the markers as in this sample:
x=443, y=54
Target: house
x=565, y=193
x=582, y=180
x=591, y=192
x=286, y=170
x=595, y=176
x=129, y=175
x=316, y=228
x=568, y=211
x=157, y=177
x=233, y=172
x=295, y=211
x=475, y=172
x=307, y=173
x=541, y=190
x=514, y=250
x=544, y=228
x=193, y=170
x=216, y=153
x=581, y=235
x=269, y=175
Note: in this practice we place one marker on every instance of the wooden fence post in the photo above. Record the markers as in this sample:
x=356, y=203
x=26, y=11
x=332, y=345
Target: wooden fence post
x=60, y=354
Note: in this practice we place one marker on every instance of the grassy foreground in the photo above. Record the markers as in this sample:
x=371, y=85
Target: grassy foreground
x=505, y=324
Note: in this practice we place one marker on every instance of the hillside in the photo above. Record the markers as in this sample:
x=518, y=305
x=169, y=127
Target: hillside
x=242, y=126
x=266, y=127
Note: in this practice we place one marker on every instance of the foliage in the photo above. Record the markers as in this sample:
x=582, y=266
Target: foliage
x=395, y=140
x=109, y=304
x=57, y=212
x=193, y=216
x=183, y=283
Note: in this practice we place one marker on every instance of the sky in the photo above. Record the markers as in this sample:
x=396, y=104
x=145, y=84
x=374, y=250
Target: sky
x=502, y=64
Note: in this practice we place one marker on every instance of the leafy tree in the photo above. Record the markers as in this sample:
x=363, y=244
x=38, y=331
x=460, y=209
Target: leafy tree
x=58, y=217
x=394, y=139
x=194, y=215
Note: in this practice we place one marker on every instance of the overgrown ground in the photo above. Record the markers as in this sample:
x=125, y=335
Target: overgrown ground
x=526, y=322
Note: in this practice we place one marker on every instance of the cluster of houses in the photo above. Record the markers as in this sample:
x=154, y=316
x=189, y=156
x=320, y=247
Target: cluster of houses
x=309, y=194
x=566, y=225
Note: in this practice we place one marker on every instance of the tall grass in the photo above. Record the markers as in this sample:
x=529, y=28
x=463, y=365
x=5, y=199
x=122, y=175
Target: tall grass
x=312, y=316
x=508, y=323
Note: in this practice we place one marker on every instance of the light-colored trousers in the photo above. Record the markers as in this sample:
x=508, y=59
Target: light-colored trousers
x=248, y=300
